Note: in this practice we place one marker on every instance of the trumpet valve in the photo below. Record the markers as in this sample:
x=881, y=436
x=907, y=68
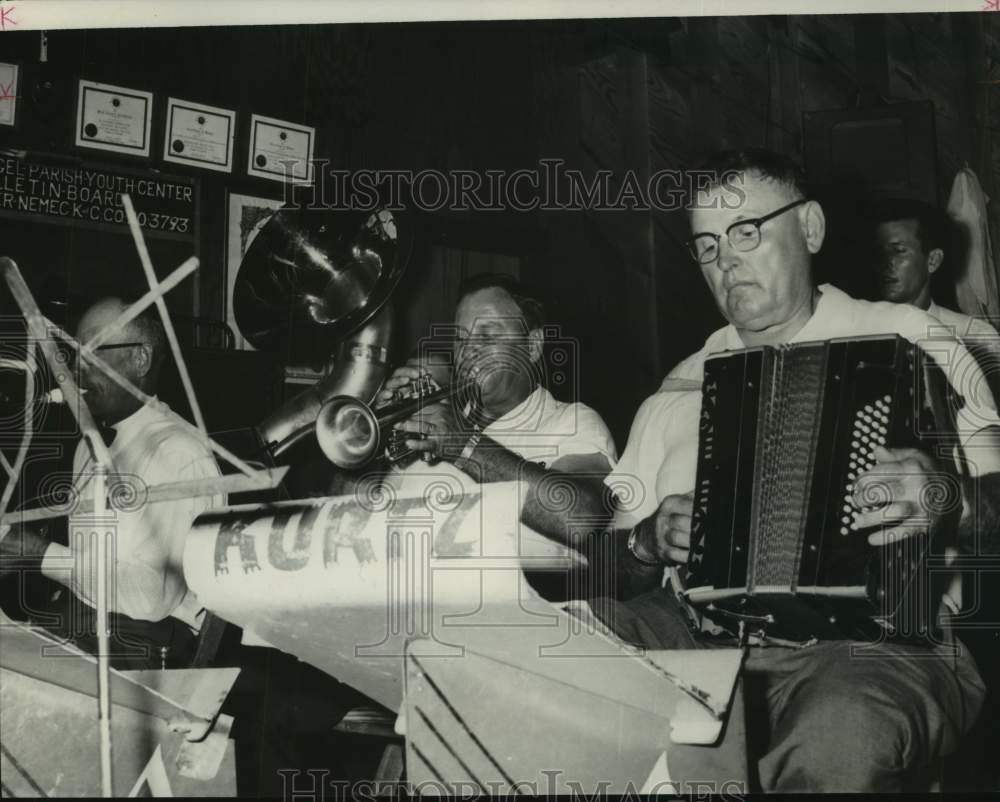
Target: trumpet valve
x=395, y=447
x=416, y=389
x=396, y=450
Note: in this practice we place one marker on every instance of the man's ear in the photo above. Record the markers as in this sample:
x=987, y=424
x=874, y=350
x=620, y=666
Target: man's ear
x=934, y=260
x=813, y=225
x=536, y=340
x=142, y=360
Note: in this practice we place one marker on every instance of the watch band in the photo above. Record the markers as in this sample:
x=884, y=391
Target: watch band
x=471, y=445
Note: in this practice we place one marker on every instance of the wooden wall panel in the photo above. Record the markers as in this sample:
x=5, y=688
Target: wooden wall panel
x=827, y=82
x=784, y=132
x=601, y=114
x=743, y=84
x=672, y=133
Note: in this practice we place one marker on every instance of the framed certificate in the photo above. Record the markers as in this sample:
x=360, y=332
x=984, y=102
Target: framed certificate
x=199, y=136
x=9, y=74
x=113, y=118
x=280, y=151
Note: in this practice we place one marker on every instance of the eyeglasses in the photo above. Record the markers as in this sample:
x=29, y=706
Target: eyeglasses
x=112, y=346
x=743, y=235
x=73, y=356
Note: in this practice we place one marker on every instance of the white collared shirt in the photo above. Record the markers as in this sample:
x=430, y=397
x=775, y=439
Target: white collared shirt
x=662, y=451
x=149, y=449
x=963, y=326
x=542, y=429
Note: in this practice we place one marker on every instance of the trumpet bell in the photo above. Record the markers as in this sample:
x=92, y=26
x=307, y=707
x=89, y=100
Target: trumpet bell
x=348, y=432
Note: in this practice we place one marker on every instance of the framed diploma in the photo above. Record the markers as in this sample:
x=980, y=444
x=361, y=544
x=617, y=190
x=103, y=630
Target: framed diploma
x=113, y=118
x=199, y=136
x=280, y=151
x=9, y=74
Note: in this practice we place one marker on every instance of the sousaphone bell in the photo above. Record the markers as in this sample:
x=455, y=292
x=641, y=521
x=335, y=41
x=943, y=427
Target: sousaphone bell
x=314, y=286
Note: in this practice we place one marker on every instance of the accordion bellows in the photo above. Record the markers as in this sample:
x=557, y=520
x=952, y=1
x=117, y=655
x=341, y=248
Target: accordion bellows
x=784, y=433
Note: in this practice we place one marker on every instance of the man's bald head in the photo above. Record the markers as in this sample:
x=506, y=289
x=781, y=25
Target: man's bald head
x=135, y=350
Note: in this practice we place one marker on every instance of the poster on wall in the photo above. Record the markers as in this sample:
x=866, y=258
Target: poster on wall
x=8, y=93
x=280, y=151
x=199, y=136
x=113, y=118
x=247, y=216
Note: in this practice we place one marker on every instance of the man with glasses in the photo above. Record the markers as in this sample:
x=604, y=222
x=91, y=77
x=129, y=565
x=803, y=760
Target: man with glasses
x=835, y=722
x=154, y=614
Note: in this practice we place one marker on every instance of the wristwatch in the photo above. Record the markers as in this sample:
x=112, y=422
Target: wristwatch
x=631, y=547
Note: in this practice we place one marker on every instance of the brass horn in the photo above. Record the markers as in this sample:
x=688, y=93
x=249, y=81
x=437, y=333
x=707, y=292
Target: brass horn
x=315, y=285
x=351, y=433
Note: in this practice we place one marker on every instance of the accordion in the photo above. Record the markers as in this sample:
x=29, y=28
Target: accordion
x=783, y=434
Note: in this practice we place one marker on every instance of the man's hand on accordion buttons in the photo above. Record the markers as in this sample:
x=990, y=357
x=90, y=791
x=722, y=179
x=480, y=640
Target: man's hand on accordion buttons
x=894, y=495
x=666, y=534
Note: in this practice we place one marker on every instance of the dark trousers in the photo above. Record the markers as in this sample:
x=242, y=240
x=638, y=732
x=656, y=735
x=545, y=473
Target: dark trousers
x=837, y=716
x=132, y=644
x=284, y=713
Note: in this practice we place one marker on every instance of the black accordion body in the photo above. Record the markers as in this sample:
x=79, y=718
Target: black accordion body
x=784, y=432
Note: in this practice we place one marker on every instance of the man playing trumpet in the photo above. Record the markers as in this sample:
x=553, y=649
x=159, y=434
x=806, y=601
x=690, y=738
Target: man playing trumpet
x=498, y=351
x=502, y=412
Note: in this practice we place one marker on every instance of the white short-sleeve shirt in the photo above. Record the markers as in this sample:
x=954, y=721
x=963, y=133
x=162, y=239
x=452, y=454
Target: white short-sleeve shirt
x=149, y=449
x=540, y=429
x=661, y=456
x=963, y=326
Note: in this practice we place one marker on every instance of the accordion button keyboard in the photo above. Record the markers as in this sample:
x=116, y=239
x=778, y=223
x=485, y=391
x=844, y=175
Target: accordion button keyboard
x=868, y=433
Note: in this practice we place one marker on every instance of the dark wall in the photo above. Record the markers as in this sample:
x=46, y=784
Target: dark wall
x=382, y=97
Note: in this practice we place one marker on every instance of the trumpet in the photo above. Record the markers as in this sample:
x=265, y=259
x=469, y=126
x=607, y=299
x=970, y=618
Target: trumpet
x=351, y=433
